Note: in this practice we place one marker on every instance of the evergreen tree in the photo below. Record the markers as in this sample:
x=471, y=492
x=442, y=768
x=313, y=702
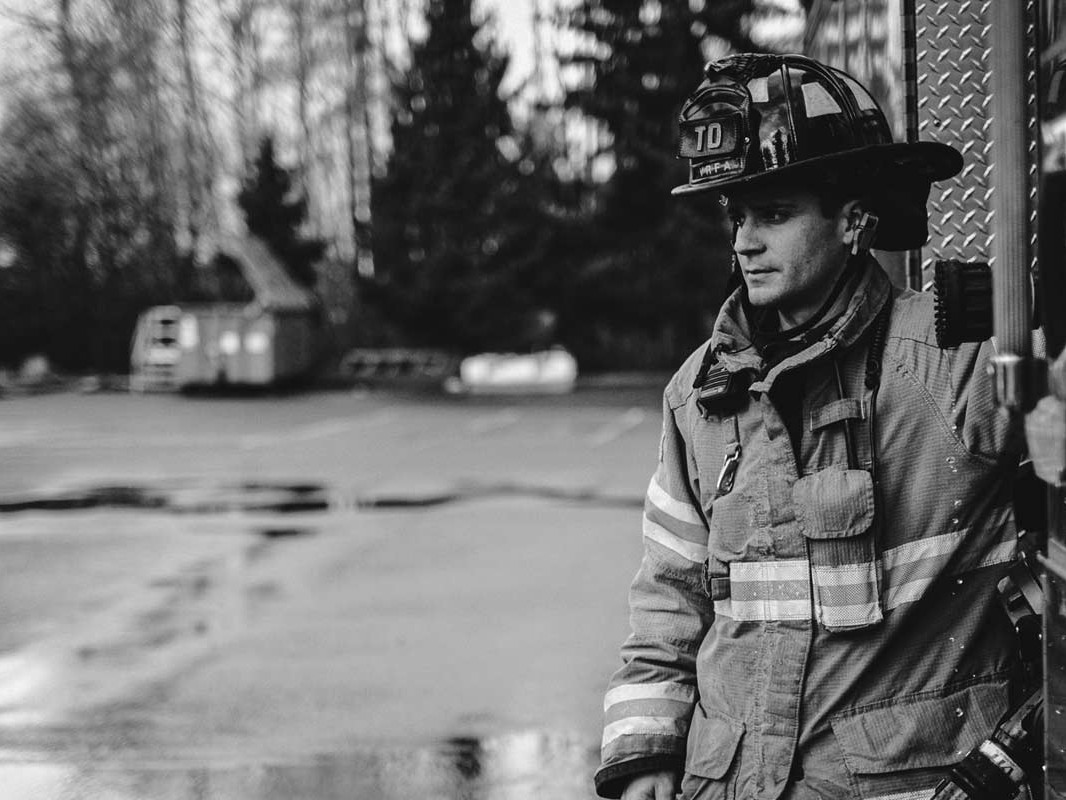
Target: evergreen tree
x=81, y=259
x=46, y=295
x=649, y=59
x=458, y=226
x=656, y=267
x=275, y=214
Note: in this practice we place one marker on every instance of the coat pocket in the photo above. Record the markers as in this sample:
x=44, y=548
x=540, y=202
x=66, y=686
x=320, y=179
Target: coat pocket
x=712, y=744
x=730, y=526
x=921, y=731
x=835, y=510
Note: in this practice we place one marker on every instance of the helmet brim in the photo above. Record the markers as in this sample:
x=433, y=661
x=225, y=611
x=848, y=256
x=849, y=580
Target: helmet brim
x=927, y=161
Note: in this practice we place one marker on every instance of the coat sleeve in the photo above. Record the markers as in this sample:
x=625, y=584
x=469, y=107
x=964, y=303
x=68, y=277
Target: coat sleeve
x=650, y=699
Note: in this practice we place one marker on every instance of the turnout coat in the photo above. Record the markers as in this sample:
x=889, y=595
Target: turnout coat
x=808, y=622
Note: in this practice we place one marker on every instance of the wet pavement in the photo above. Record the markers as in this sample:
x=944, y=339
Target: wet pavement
x=512, y=767
x=355, y=595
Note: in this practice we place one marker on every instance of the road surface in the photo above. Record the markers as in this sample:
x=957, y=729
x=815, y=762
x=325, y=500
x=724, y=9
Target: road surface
x=342, y=594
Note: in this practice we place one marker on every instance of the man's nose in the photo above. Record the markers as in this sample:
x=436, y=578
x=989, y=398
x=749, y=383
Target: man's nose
x=746, y=238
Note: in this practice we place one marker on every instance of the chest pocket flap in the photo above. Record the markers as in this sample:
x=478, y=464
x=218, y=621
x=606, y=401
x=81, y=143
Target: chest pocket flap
x=834, y=503
x=917, y=732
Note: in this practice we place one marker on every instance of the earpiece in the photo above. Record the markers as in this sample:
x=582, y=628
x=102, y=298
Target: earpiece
x=864, y=226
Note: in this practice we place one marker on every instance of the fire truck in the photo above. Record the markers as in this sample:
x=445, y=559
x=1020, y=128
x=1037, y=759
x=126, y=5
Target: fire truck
x=989, y=78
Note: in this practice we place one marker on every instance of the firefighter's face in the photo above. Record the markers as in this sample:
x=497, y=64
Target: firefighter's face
x=790, y=251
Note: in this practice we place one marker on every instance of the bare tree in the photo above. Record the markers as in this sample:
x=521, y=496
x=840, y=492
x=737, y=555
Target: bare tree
x=87, y=121
x=199, y=164
x=359, y=139
x=300, y=18
x=103, y=95
x=247, y=71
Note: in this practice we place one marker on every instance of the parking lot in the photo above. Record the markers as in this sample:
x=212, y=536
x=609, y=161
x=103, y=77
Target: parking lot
x=376, y=594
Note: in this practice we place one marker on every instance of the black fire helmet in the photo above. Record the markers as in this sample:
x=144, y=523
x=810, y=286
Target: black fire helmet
x=758, y=118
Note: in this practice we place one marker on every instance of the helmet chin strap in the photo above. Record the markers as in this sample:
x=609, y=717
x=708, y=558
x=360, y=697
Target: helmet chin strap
x=852, y=267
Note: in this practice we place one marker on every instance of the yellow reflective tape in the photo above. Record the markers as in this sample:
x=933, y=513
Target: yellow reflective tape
x=760, y=578
x=1000, y=554
x=849, y=616
x=947, y=543
x=931, y=555
x=767, y=591
x=846, y=574
x=645, y=726
x=923, y=549
x=768, y=610
x=697, y=553
x=908, y=592
x=769, y=571
x=666, y=690
x=683, y=512
x=921, y=794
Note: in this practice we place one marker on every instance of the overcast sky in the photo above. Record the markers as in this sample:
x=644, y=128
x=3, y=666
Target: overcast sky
x=781, y=21
x=514, y=22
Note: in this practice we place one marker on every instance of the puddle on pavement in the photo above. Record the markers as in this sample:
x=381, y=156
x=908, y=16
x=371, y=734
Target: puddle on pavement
x=282, y=498
x=291, y=498
x=96, y=497
x=519, y=766
x=282, y=532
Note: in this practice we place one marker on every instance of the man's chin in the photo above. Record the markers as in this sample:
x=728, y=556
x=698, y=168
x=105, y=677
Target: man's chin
x=760, y=298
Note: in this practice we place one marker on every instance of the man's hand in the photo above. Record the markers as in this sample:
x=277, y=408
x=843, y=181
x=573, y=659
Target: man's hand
x=653, y=786
x=1045, y=433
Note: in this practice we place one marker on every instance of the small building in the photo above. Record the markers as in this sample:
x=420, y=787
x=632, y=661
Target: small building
x=273, y=332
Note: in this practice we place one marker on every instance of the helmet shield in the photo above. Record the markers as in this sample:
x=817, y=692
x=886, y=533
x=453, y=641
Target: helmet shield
x=715, y=138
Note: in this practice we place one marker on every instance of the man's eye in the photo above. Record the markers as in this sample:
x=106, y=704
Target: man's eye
x=773, y=215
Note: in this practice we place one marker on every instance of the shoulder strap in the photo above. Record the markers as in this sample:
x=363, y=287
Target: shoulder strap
x=877, y=345
x=861, y=449
x=874, y=358
x=710, y=358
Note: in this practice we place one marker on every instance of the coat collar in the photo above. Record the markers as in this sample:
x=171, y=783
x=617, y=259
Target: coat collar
x=732, y=338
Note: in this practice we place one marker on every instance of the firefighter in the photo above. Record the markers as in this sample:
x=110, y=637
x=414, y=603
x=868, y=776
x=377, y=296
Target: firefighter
x=815, y=614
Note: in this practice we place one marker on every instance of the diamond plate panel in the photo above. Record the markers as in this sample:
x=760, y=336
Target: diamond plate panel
x=954, y=107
